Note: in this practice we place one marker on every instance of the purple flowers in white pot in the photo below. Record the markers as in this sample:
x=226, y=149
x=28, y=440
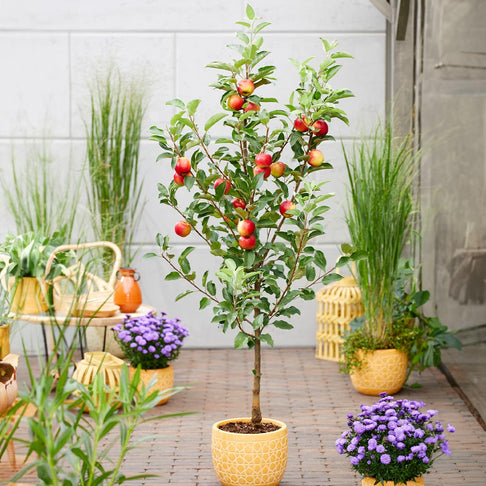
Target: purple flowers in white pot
x=392, y=440
x=149, y=340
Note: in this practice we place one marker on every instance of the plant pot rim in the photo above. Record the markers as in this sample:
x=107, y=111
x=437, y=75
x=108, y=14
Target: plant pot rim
x=282, y=425
x=149, y=369
x=387, y=350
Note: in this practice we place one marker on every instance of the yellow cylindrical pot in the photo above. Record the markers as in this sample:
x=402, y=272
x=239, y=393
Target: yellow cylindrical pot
x=4, y=340
x=29, y=297
x=371, y=482
x=383, y=370
x=164, y=376
x=249, y=459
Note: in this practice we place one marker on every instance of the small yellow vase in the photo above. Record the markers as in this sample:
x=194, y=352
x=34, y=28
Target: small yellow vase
x=29, y=297
x=164, y=376
x=249, y=459
x=4, y=340
x=383, y=370
x=371, y=482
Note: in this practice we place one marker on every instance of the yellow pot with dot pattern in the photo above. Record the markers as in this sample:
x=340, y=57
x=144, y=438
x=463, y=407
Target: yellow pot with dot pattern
x=372, y=481
x=249, y=459
x=383, y=370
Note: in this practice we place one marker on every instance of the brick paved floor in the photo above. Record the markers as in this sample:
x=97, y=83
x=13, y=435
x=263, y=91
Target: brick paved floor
x=311, y=397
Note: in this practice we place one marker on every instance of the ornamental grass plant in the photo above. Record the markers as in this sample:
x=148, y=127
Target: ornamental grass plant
x=393, y=440
x=113, y=131
x=150, y=341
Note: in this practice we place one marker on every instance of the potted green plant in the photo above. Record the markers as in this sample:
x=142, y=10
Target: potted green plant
x=23, y=261
x=393, y=442
x=257, y=206
x=381, y=172
x=151, y=343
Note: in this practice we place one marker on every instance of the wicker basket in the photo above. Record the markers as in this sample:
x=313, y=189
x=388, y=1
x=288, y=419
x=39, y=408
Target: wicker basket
x=98, y=297
x=338, y=304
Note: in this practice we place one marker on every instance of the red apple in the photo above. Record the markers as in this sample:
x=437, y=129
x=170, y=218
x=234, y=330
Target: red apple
x=238, y=203
x=266, y=171
x=235, y=102
x=246, y=227
x=277, y=169
x=182, y=228
x=247, y=242
x=285, y=206
x=179, y=179
x=251, y=107
x=245, y=87
x=220, y=181
x=263, y=160
x=300, y=124
x=320, y=128
x=183, y=166
x=316, y=158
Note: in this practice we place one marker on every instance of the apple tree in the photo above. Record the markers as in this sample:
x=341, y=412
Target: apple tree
x=253, y=202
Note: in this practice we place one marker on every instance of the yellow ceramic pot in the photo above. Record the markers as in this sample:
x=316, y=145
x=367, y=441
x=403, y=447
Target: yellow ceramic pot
x=29, y=297
x=383, y=370
x=4, y=340
x=164, y=376
x=249, y=459
x=372, y=481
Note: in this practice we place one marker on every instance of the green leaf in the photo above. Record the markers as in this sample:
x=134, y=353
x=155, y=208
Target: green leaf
x=214, y=119
x=258, y=321
x=177, y=102
x=149, y=255
x=220, y=65
x=173, y=276
x=320, y=260
x=261, y=26
x=204, y=302
x=266, y=338
x=183, y=294
x=241, y=340
x=250, y=13
x=330, y=278
x=283, y=325
x=192, y=106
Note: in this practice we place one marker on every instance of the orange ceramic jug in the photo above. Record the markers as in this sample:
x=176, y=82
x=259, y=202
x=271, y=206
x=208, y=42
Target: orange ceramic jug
x=127, y=291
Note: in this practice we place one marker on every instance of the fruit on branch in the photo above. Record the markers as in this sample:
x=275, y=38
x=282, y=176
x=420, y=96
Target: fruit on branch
x=179, y=179
x=183, y=166
x=235, y=102
x=245, y=87
x=238, y=203
x=300, y=124
x=182, y=228
x=247, y=242
x=286, y=206
x=277, y=169
x=220, y=181
x=266, y=171
x=316, y=158
x=246, y=227
x=251, y=107
x=320, y=128
x=263, y=160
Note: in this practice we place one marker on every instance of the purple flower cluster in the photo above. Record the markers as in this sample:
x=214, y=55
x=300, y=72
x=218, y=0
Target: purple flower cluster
x=149, y=340
x=392, y=440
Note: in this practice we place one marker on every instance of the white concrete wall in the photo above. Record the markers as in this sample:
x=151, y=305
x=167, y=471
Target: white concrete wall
x=49, y=49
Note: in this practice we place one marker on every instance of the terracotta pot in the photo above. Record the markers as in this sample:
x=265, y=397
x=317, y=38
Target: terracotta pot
x=164, y=377
x=4, y=340
x=383, y=370
x=8, y=382
x=249, y=459
x=371, y=482
x=29, y=297
x=127, y=291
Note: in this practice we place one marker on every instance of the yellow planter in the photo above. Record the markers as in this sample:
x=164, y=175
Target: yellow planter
x=4, y=340
x=29, y=297
x=249, y=459
x=383, y=370
x=371, y=482
x=164, y=376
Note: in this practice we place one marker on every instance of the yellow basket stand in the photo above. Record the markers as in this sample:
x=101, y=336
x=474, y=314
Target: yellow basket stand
x=338, y=304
